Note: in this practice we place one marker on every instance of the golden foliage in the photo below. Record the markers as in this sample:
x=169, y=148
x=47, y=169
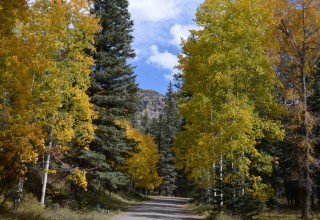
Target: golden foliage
x=298, y=36
x=228, y=71
x=141, y=166
x=259, y=190
x=44, y=77
x=78, y=177
x=19, y=146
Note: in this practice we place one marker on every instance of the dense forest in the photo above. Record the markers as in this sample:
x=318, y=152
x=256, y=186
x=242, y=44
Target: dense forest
x=238, y=129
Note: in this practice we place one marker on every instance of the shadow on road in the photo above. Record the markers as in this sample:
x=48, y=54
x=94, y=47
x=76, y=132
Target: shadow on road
x=159, y=208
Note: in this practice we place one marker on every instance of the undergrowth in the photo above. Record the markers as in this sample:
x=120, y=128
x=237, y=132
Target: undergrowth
x=88, y=207
x=280, y=214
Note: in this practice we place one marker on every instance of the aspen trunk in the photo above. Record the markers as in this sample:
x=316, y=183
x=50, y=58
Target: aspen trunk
x=18, y=195
x=214, y=188
x=233, y=190
x=221, y=182
x=242, y=189
x=46, y=168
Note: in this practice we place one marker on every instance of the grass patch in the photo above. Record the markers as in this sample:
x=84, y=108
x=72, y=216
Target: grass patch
x=206, y=211
x=91, y=207
x=281, y=214
x=200, y=209
x=285, y=215
x=223, y=216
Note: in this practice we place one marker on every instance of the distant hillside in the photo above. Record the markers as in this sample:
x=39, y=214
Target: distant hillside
x=151, y=102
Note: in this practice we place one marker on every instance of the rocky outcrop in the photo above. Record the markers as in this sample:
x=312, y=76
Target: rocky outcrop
x=151, y=102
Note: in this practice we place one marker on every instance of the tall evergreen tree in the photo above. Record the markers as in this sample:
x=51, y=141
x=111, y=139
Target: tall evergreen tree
x=113, y=92
x=169, y=126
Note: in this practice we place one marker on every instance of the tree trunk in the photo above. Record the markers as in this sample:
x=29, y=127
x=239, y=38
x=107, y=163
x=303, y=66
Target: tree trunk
x=307, y=181
x=243, y=178
x=221, y=182
x=18, y=196
x=46, y=169
x=215, y=187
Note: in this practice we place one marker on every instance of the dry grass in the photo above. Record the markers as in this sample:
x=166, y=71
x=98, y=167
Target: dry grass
x=30, y=209
x=280, y=214
x=205, y=211
x=285, y=215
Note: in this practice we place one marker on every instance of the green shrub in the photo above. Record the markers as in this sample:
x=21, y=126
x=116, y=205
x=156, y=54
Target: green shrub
x=247, y=207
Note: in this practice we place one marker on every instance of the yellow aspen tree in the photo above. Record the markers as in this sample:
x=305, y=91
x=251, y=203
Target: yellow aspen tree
x=141, y=165
x=227, y=96
x=21, y=137
x=44, y=78
x=62, y=31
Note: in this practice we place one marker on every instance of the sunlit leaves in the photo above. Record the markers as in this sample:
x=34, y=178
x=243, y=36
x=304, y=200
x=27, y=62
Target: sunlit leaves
x=259, y=190
x=19, y=146
x=21, y=138
x=141, y=166
x=44, y=79
x=78, y=177
x=62, y=33
x=227, y=70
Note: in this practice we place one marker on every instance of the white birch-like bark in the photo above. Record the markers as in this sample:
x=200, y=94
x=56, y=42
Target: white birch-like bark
x=242, y=189
x=221, y=179
x=18, y=195
x=46, y=169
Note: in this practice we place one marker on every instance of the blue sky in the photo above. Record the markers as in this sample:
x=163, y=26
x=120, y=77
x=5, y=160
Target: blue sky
x=159, y=25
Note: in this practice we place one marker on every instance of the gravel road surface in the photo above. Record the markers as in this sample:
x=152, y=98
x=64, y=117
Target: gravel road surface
x=159, y=208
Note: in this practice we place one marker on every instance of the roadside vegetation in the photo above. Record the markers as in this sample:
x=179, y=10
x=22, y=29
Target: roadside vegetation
x=104, y=206
x=281, y=213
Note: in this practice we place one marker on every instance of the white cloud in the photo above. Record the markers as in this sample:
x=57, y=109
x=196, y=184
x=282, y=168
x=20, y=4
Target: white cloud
x=164, y=60
x=169, y=76
x=181, y=31
x=152, y=22
x=154, y=10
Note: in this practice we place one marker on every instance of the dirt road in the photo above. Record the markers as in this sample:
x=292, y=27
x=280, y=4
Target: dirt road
x=159, y=208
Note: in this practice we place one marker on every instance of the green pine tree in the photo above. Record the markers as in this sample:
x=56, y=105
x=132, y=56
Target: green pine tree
x=169, y=125
x=113, y=92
